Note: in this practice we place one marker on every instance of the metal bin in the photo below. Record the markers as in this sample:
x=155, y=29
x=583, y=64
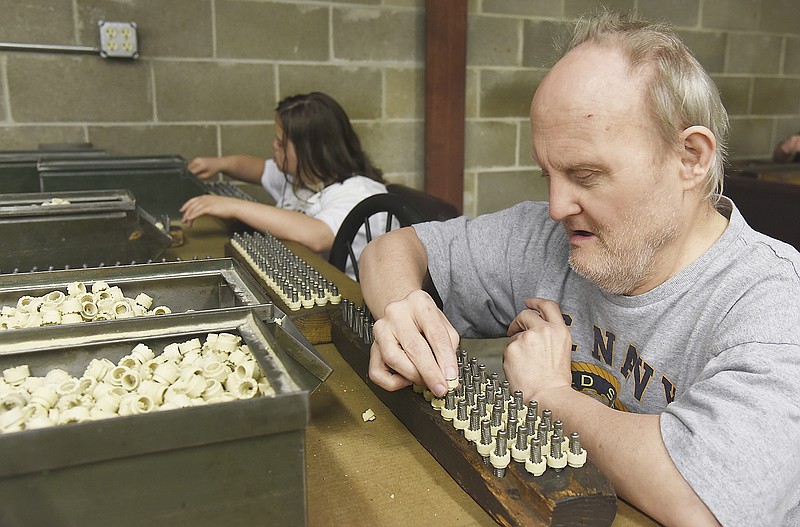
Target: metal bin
x=239, y=462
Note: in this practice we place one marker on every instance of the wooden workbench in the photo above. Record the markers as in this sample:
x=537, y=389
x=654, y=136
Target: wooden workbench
x=365, y=473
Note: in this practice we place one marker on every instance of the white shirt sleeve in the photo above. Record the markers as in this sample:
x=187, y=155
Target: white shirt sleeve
x=273, y=180
x=337, y=200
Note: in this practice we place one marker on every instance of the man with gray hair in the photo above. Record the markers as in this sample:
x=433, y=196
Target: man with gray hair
x=638, y=303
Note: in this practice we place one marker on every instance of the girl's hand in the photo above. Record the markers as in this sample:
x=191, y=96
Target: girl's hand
x=538, y=356
x=205, y=167
x=208, y=204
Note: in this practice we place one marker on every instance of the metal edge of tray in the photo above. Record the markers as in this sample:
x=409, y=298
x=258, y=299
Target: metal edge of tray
x=65, y=445
x=33, y=156
x=79, y=202
x=233, y=272
x=110, y=163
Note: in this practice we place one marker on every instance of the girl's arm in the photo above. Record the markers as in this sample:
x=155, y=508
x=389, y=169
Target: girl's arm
x=283, y=224
x=241, y=167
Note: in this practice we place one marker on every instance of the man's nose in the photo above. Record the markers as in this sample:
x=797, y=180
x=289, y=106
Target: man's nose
x=563, y=199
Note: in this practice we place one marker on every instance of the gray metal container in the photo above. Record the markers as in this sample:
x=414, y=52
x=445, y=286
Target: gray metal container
x=19, y=168
x=231, y=463
x=95, y=227
x=214, y=284
x=161, y=184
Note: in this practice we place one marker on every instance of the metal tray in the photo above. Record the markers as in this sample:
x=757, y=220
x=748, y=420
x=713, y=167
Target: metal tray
x=95, y=227
x=215, y=284
x=230, y=463
x=161, y=184
x=19, y=172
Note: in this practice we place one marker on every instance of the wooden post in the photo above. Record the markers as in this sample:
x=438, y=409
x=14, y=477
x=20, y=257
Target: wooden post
x=445, y=95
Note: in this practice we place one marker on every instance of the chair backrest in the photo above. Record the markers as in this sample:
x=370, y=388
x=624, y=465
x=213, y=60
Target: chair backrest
x=770, y=207
x=391, y=206
x=431, y=207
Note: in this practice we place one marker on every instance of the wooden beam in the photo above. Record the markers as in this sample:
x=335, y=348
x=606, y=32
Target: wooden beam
x=445, y=96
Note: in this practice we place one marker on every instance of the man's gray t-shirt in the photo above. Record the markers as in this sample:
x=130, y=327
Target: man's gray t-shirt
x=715, y=350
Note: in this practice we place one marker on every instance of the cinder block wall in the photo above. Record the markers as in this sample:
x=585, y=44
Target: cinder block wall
x=211, y=71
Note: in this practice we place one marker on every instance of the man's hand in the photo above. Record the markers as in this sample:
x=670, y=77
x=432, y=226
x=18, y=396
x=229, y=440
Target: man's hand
x=538, y=355
x=414, y=343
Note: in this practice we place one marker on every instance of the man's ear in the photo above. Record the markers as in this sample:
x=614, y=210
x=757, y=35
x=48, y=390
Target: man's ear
x=699, y=146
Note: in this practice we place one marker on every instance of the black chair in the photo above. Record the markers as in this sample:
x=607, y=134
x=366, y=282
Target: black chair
x=392, y=205
x=431, y=207
x=770, y=207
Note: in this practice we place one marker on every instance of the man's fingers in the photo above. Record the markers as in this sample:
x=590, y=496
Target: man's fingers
x=443, y=341
x=528, y=319
x=382, y=375
x=548, y=310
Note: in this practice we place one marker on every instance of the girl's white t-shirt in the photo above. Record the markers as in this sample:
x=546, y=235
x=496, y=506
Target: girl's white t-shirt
x=330, y=205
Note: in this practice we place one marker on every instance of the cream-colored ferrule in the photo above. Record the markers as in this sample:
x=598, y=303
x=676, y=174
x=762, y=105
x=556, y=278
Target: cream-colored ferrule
x=12, y=420
x=71, y=318
x=246, y=369
x=76, y=289
x=130, y=381
x=107, y=403
x=191, y=358
x=98, y=368
x=46, y=396
x=70, y=305
x=460, y=424
x=115, y=292
x=485, y=450
x=28, y=303
x=16, y=375
x=227, y=342
x=130, y=362
x=53, y=299
x=50, y=316
x=171, y=352
x=144, y=300
x=576, y=460
x=537, y=469
x=38, y=422
x=520, y=454
x=142, y=353
x=65, y=402
x=68, y=386
x=500, y=461
x=166, y=373
x=98, y=286
x=134, y=404
x=190, y=370
x=237, y=356
x=213, y=389
x=56, y=376
x=122, y=309
x=74, y=414
x=14, y=400
x=246, y=389
x=189, y=346
x=116, y=374
x=154, y=390
x=194, y=386
x=215, y=370
x=472, y=436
